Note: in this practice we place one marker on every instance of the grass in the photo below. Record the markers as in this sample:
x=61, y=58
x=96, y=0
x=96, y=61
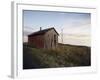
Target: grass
x=63, y=56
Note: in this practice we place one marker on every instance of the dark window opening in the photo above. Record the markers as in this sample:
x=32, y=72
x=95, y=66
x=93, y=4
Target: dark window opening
x=55, y=40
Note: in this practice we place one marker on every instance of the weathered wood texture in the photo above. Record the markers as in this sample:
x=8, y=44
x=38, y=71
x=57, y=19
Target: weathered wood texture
x=49, y=40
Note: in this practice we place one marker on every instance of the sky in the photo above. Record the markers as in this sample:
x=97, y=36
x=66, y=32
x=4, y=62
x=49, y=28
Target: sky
x=74, y=28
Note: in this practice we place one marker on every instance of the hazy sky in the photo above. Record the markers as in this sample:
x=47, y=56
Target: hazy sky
x=76, y=26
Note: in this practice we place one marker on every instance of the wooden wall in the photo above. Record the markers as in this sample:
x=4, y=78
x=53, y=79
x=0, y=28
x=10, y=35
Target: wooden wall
x=48, y=40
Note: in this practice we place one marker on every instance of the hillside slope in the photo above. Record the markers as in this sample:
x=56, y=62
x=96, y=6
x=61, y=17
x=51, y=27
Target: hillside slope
x=63, y=56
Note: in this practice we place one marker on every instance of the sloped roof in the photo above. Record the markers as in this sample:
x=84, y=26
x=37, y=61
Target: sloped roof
x=42, y=32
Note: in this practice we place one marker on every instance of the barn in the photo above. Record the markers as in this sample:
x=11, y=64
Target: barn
x=46, y=38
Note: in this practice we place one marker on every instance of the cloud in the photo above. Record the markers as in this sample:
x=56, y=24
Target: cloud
x=83, y=29
x=76, y=39
x=27, y=31
x=25, y=39
x=76, y=26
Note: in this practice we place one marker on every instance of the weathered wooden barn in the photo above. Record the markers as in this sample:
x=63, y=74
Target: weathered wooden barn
x=47, y=38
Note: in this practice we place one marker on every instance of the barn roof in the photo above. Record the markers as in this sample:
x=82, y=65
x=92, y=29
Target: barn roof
x=42, y=32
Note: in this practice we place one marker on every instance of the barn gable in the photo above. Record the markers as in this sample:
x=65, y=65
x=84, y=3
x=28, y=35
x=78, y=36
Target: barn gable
x=47, y=38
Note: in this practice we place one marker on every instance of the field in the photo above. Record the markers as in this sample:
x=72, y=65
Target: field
x=64, y=56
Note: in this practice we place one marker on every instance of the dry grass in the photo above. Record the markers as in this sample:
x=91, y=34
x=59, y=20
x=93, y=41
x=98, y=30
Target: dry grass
x=63, y=56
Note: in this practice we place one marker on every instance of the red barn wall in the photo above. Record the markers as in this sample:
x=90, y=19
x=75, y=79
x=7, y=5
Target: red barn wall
x=38, y=41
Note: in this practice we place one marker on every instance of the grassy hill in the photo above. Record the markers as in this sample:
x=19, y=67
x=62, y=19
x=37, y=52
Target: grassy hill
x=64, y=56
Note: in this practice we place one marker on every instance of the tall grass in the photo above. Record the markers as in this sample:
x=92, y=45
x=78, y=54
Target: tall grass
x=63, y=56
